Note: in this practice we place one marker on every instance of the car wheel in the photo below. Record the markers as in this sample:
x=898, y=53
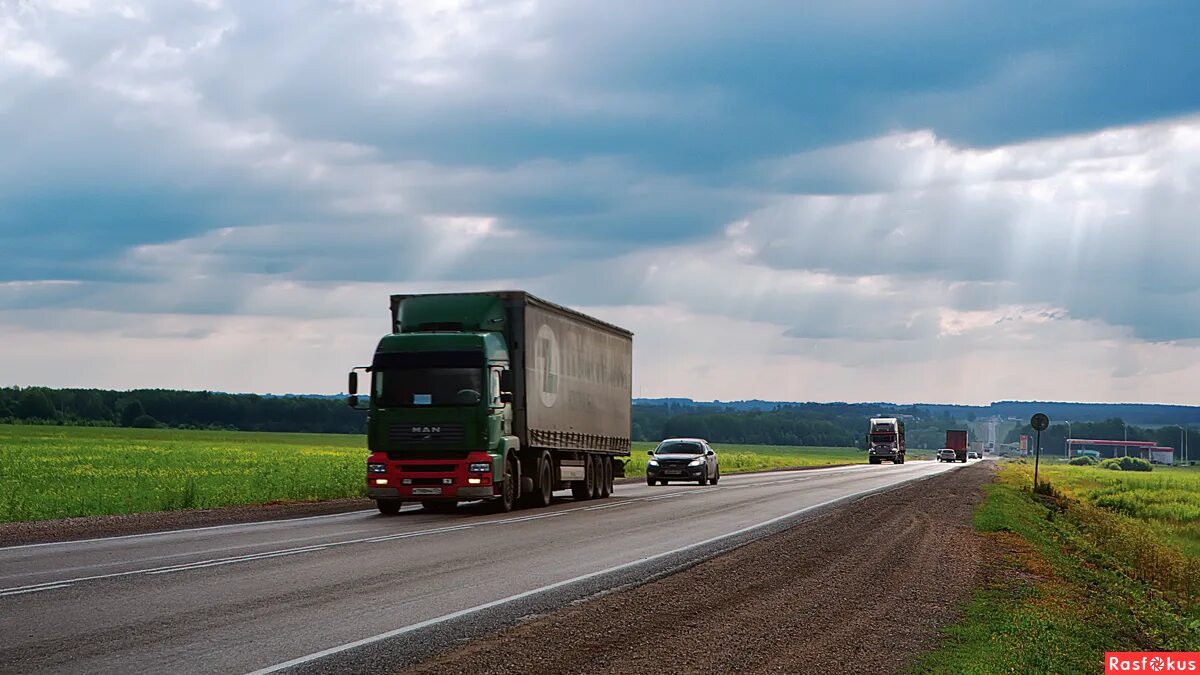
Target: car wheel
x=388, y=507
x=704, y=477
x=716, y=477
x=649, y=481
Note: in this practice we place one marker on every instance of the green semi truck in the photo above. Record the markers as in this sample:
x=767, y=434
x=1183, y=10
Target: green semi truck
x=496, y=396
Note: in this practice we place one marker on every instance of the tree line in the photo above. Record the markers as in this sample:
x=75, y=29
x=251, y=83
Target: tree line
x=149, y=408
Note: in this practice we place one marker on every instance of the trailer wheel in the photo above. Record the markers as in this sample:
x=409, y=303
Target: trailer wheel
x=508, y=491
x=597, y=477
x=543, y=489
x=581, y=490
x=388, y=507
x=605, y=476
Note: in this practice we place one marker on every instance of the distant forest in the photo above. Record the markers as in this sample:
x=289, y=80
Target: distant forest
x=752, y=422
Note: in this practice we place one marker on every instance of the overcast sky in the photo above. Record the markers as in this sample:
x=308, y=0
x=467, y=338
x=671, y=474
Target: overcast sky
x=918, y=200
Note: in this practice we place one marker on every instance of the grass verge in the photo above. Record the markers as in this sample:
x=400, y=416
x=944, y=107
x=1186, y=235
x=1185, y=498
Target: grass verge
x=49, y=472
x=1070, y=580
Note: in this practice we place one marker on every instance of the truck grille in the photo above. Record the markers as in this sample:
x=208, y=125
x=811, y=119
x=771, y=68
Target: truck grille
x=427, y=468
x=427, y=433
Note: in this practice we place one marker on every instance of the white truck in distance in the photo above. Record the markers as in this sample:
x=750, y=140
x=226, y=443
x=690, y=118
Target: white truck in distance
x=886, y=440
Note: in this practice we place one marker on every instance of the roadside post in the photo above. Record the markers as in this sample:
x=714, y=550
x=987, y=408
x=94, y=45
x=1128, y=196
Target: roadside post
x=1039, y=422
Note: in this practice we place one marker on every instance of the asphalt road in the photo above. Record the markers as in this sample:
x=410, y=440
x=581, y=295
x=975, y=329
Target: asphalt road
x=300, y=593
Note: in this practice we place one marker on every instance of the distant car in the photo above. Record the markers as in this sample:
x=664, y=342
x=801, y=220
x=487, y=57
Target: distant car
x=947, y=455
x=678, y=459
x=972, y=455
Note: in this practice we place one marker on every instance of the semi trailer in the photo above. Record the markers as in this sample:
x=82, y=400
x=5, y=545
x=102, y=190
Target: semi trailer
x=956, y=440
x=497, y=396
x=886, y=440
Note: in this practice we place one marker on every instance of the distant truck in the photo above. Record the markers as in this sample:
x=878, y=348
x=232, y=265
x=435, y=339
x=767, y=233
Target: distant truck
x=499, y=396
x=956, y=440
x=886, y=440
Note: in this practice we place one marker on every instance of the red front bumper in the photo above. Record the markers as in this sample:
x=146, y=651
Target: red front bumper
x=430, y=479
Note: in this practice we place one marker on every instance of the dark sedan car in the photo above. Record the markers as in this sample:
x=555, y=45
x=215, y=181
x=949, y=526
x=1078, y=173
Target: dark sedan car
x=689, y=459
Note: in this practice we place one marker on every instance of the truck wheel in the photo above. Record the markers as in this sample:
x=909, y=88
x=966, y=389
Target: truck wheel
x=898, y=460
x=543, y=490
x=508, y=491
x=874, y=460
x=597, y=477
x=606, y=476
x=388, y=507
x=581, y=490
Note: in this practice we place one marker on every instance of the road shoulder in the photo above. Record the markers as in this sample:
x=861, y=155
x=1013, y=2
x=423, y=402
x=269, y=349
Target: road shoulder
x=865, y=587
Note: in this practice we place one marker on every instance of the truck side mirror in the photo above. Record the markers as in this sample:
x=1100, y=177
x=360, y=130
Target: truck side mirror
x=352, y=385
x=506, y=383
x=352, y=401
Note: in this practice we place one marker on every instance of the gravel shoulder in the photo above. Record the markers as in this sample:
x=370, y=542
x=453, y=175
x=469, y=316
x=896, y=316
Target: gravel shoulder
x=861, y=588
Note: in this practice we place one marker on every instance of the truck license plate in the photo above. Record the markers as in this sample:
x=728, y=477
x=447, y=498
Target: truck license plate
x=427, y=491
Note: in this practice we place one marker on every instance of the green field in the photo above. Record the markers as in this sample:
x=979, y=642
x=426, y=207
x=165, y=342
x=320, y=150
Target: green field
x=1167, y=499
x=58, y=472
x=1100, y=564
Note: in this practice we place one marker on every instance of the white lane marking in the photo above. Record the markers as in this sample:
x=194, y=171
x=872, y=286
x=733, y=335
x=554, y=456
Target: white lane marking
x=613, y=505
x=150, y=570
x=192, y=529
x=34, y=590
x=521, y=519
x=558, y=584
x=415, y=507
x=402, y=535
x=248, y=558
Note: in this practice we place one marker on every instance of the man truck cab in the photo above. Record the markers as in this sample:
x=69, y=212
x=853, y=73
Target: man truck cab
x=497, y=396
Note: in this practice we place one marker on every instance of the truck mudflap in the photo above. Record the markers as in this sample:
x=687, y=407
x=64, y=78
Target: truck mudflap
x=431, y=479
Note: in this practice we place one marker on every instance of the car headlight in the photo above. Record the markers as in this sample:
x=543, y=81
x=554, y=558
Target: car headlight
x=696, y=462
x=480, y=467
x=653, y=462
x=376, y=468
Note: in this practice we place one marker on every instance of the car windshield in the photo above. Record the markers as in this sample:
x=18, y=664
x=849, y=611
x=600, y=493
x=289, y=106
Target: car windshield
x=679, y=448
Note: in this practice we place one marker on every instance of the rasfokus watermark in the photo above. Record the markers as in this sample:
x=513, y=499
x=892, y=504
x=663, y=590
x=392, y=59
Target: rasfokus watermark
x=1151, y=662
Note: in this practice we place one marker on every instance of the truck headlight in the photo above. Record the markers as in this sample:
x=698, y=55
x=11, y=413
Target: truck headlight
x=377, y=468
x=479, y=467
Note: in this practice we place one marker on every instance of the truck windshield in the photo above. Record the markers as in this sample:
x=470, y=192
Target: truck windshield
x=428, y=379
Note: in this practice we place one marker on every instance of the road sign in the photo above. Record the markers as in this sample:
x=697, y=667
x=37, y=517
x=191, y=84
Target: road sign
x=1024, y=443
x=1039, y=422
